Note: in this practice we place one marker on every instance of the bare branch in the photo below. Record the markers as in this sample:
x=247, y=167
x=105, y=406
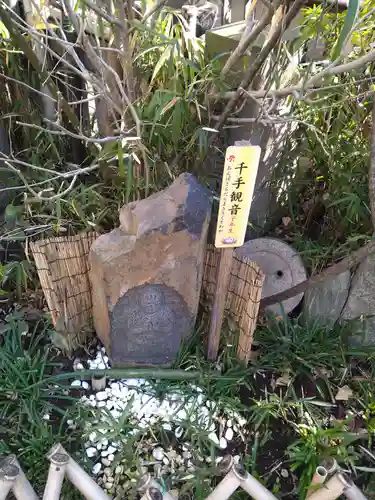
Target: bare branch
x=63, y=131
x=103, y=14
x=264, y=53
x=297, y=90
x=23, y=84
x=248, y=40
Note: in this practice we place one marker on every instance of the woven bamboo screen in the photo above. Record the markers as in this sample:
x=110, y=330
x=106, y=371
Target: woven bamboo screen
x=243, y=297
x=63, y=268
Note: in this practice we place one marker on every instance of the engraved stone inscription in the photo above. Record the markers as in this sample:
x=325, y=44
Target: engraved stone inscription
x=148, y=324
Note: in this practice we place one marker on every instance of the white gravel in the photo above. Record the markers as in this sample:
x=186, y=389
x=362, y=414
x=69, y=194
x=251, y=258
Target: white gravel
x=182, y=413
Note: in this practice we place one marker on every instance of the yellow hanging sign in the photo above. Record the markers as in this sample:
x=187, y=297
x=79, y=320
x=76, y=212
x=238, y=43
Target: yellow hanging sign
x=240, y=171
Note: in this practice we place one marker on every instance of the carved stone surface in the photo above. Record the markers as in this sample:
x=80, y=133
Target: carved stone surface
x=159, y=247
x=149, y=321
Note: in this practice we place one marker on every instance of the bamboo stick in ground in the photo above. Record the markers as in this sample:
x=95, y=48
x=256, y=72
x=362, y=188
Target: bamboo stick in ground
x=222, y=281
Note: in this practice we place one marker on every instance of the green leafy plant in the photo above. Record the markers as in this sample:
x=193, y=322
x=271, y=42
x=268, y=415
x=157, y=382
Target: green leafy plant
x=18, y=274
x=32, y=412
x=297, y=348
x=317, y=443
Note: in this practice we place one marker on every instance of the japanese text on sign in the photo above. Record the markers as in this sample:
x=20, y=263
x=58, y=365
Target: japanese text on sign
x=240, y=171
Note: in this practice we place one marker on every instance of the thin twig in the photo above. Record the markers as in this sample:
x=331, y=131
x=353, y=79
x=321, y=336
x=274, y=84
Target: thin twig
x=297, y=90
x=247, y=41
x=23, y=84
x=63, y=131
x=258, y=63
x=103, y=14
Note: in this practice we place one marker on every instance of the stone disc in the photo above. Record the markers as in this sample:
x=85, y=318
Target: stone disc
x=282, y=266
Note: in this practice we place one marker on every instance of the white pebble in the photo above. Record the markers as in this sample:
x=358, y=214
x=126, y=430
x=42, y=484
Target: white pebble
x=101, y=404
x=106, y=462
x=46, y=416
x=101, y=396
x=223, y=443
x=178, y=432
x=111, y=449
x=85, y=385
x=111, y=457
x=101, y=366
x=158, y=453
x=96, y=469
x=181, y=415
x=90, y=452
x=92, y=436
x=229, y=423
x=229, y=434
x=75, y=383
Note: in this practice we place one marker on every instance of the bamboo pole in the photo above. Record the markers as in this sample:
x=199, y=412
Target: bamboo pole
x=222, y=282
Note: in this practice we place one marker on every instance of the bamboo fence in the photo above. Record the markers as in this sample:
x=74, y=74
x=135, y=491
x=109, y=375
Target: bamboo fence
x=63, y=268
x=243, y=296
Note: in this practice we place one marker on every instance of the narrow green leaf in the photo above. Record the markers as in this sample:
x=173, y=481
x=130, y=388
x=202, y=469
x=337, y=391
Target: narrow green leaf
x=350, y=20
x=163, y=58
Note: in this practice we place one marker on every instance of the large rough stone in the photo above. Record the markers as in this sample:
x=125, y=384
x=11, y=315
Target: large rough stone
x=361, y=301
x=146, y=275
x=324, y=303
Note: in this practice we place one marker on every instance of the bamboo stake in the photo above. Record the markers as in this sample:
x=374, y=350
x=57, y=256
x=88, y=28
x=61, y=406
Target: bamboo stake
x=222, y=282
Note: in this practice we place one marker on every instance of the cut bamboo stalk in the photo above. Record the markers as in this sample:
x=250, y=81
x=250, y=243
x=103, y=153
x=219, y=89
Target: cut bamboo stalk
x=217, y=314
x=320, y=475
x=79, y=478
x=333, y=488
x=56, y=473
x=21, y=487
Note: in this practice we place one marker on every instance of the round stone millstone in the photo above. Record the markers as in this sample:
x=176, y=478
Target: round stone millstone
x=282, y=266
